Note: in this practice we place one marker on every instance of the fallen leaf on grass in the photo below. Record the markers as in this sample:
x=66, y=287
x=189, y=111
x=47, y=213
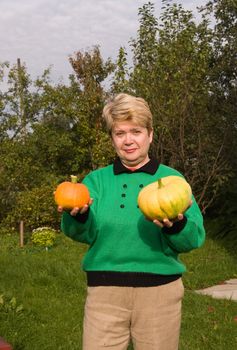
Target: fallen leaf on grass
x=210, y=309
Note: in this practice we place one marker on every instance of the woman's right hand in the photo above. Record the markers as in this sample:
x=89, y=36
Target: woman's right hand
x=77, y=210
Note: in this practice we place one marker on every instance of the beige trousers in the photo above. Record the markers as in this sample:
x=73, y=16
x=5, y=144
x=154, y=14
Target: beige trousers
x=149, y=316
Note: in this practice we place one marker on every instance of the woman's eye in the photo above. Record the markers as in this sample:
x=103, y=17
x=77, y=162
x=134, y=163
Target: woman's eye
x=119, y=134
x=132, y=132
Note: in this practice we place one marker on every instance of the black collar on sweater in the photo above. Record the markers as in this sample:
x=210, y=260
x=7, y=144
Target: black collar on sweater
x=149, y=168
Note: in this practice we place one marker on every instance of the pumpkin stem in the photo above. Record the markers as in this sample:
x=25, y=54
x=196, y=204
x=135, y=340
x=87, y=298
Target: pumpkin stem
x=160, y=184
x=74, y=179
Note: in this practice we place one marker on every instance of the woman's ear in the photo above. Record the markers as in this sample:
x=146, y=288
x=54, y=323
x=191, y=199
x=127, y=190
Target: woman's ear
x=111, y=137
x=150, y=133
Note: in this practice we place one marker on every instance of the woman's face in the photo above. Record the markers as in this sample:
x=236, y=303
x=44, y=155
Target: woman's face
x=131, y=143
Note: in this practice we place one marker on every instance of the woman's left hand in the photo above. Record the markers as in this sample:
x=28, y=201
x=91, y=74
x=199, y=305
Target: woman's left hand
x=167, y=222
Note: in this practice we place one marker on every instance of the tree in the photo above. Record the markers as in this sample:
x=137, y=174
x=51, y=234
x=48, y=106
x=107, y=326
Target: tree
x=19, y=111
x=172, y=72
x=223, y=97
x=224, y=72
x=120, y=81
x=34, y=151
x=49, y=132
x=144, y=49
x=91, y=71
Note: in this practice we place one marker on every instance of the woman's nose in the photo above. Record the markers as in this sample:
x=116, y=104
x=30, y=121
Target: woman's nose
x=128, y=138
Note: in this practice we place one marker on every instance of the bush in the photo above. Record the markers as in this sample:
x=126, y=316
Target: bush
x=224, y=213
x=36, y=208
x=44, y=236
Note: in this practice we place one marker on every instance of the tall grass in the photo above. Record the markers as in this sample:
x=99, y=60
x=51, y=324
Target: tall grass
x=42, y=296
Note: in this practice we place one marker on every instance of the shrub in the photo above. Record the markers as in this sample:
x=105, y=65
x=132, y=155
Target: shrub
x=35, y=207
x=44, y=236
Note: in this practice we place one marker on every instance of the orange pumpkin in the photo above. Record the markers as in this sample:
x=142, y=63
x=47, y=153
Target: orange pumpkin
x=165, y=198
x=71, y=194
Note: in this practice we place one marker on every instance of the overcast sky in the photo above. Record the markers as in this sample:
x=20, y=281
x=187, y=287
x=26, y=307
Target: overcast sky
x=45, y=33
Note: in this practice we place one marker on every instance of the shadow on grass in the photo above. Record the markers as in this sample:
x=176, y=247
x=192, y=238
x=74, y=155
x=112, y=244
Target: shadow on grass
x=224, y=234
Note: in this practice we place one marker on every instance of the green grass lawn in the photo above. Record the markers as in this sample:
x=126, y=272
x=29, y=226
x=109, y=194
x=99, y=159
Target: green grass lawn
x=42, y=296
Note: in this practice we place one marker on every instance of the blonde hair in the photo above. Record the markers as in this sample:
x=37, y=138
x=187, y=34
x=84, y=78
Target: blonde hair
x=124, y=107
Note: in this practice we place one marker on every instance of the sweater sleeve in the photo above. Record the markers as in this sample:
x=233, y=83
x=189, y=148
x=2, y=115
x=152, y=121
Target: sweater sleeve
x=82, y=228
x=190, y=235
x=83, y=232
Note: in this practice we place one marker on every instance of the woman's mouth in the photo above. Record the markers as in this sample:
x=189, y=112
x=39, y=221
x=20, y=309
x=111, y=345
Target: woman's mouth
x=130, y=150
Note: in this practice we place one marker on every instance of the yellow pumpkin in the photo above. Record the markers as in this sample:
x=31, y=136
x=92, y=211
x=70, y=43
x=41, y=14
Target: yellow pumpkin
x=71, y=194
x=165, y=198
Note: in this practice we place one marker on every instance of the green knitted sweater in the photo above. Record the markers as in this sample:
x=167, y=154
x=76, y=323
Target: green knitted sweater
x=119, y=236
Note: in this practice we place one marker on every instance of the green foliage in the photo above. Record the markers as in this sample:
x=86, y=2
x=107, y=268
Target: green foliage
x=120, y=81
x=20, y=109
x=144, y=49
x=63, y=134
x=36, y=207
x=10, y=305
x=172, y=70
x=44, y=236
x=169, y=85
x=18, y=172
x=223, y=215
x=91, y=71
x=223, y=75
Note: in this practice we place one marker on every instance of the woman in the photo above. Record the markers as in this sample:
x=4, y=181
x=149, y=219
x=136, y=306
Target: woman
x=133, y=271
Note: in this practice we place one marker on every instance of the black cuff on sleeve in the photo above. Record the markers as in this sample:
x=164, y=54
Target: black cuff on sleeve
x=176, y=228
x=82, y=218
